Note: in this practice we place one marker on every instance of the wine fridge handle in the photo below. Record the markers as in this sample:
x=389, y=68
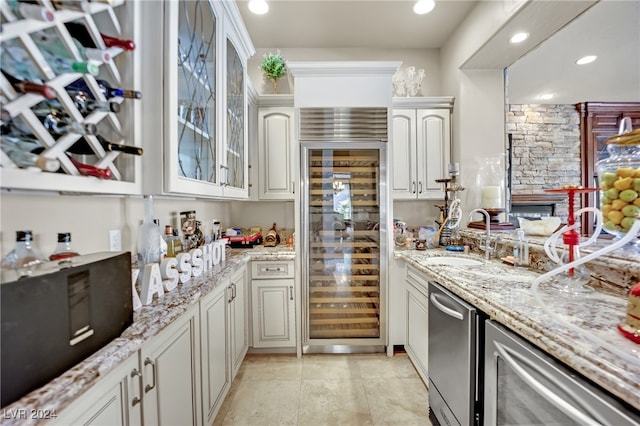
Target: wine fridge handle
x=561, y=404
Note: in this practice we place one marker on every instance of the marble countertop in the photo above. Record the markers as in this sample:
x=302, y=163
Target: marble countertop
x=590, y=343
x=148, y=321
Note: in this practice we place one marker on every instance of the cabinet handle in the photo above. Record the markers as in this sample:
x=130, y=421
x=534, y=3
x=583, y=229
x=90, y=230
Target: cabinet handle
x=230, y=295
x=233, y=291
x=290, y=292
x=420, y=186
x=135, y=401
x=293, y=187
x=278, y=269
x=153, y=374
x=413, y=187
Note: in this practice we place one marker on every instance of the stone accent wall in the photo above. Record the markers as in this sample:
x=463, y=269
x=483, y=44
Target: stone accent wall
x=546, y=148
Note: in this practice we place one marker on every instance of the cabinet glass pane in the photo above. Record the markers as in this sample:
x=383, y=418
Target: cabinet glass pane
x=196, y=91
x=235, y=117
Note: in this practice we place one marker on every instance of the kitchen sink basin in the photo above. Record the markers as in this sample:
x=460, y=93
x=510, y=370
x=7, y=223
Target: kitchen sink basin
x=451, y=261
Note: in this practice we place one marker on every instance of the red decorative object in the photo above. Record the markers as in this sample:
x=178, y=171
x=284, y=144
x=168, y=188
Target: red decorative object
x=630, y=326
x=572, y=237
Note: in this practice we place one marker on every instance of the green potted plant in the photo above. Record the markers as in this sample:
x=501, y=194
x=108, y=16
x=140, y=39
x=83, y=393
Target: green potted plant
x=273, y=67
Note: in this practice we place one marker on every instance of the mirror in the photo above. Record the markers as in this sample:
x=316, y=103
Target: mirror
x=545, y=133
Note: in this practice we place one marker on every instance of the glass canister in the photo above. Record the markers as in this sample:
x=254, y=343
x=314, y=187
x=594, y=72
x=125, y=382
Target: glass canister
x=620, y=183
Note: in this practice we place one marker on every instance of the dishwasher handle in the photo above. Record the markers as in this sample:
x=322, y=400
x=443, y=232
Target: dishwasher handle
x=566, y=407
x=451, y=312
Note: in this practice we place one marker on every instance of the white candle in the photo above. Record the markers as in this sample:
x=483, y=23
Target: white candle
x=491, y=197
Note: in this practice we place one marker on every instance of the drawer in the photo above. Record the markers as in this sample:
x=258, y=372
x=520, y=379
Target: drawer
x=268, y=269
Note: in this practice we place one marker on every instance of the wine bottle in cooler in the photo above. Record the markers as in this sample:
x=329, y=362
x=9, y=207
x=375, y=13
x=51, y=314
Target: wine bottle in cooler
x=78, y=5
x=87, y=104
x=80, y=32
x=107, y=90
x=83, y=147
x=25, y=86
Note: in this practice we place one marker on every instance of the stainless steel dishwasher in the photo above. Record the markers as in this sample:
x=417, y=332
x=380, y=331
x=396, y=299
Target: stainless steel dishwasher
x=454, y=339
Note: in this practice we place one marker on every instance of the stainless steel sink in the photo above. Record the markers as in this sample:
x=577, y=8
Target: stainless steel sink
x=451, y=261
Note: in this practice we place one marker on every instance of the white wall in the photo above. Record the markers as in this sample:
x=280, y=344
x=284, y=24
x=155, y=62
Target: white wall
x=428, y=59
x=89, y=218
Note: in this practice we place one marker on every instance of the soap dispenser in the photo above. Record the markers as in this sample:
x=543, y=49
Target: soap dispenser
x=521, y=249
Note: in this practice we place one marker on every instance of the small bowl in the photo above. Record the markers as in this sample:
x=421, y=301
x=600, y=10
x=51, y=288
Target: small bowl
x=543, y=227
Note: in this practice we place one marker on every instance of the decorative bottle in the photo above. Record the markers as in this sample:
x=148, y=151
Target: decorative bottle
x=25, y=257
x=63, y=250
x=148, y=236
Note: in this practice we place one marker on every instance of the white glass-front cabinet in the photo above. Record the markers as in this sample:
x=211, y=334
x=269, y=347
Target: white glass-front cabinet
x=421, y=146
x=41, y=51
x=196, y=123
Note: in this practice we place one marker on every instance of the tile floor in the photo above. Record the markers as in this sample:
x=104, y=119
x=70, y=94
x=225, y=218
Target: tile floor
x=345, y=390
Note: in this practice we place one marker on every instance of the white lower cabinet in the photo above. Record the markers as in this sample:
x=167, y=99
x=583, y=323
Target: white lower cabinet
x=273, y=304
x=224, y=340
x=216, y=377
x=239, y=320
x=171, y=373
x=417, y=308
x=114, y=400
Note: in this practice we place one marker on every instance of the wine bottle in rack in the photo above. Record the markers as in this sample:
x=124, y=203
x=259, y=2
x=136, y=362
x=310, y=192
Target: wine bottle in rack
x=87, y=105
x=17, y=62
x=107, y=90
x=31, y=11
x=80, y=32
x=89, y=170
x=79, y=5
x=82, y=147
x=26, y=159
x=25, y=86
x=59, y=58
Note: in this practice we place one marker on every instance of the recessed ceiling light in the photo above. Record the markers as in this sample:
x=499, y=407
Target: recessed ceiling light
x=519, y=37
x=545, y=96
x=586, y=60
x=259, y=7
x=423, y=6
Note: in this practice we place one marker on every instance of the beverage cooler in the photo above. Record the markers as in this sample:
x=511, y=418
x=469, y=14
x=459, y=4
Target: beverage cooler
x=344, y=204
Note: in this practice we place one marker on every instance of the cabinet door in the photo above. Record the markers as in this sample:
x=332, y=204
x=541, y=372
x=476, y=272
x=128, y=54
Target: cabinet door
x=216, y=377
x=433, y=151
x=417, y=326
x=171, y=372
x=114, y=400
x=239, y=323
x=192, y=118
x=276, y=130
x=236, y=168
x=26, y=58
x=273, y=313
x=404, y=154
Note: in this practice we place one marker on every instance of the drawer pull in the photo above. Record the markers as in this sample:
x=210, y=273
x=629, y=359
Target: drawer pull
x=278, y=269
x=136, y=400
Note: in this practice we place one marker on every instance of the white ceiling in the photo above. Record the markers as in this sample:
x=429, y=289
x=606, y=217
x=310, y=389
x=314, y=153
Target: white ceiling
x=353, y=23
x=609, y=29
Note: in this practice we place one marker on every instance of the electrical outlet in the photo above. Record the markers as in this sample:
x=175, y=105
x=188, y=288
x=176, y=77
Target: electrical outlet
x=115, y=240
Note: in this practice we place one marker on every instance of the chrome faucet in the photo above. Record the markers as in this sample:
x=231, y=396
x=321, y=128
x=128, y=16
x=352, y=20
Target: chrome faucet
x=487, y=243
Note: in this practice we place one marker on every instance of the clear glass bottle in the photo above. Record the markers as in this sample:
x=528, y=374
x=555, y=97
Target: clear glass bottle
x=620, y=184
x=521, y=249
x=148, y=236
x=25, y=257
x=174, y=244
x=63, y=249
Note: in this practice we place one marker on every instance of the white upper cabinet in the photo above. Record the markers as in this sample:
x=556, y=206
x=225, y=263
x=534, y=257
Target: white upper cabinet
x=196, y=123
x=421, y=146
x=276, y=148
x=60, y=139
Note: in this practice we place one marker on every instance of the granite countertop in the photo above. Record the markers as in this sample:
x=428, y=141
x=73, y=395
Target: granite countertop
x=504, y=293
x=148, y=321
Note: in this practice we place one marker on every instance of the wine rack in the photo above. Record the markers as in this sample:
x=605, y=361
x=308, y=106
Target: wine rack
x=117, y=18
